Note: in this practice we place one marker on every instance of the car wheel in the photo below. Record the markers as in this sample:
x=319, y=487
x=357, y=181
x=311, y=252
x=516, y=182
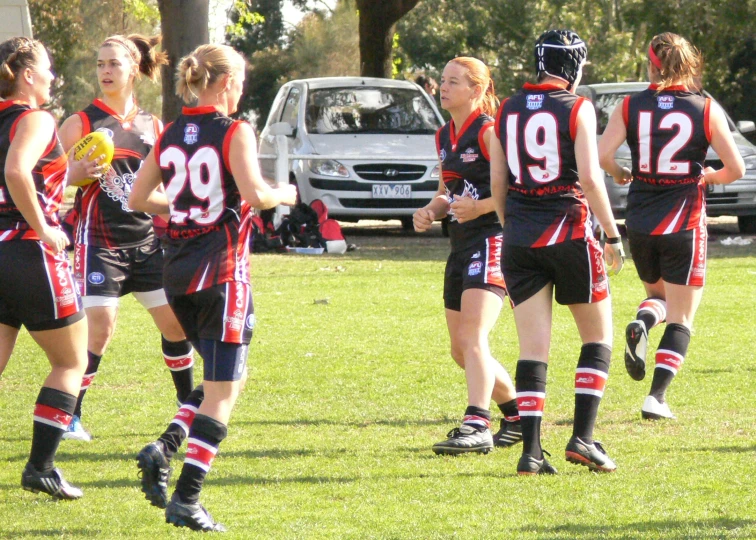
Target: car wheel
x=407, y=224
x=747, y=224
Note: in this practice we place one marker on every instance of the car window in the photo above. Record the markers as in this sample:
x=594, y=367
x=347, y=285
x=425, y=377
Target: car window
x=291, y=108
x=275, y=110
x=369, y=110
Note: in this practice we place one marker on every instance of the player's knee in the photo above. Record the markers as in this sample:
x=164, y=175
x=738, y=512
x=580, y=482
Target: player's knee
x=458, y=355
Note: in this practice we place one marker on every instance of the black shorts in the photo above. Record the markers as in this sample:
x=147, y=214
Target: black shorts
x=118, y=272
x=678, y=258
x=474, y=268
x=575, y=267
x=37, y=289
x=223, y=312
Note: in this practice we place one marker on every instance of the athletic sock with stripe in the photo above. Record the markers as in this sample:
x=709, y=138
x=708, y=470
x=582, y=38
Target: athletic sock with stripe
x=179, y=427
x=530, y=383
x=669, y=358
x=52, y=414
x=93, y=364
x=590, y=379
x=652, y=311
x=204, y=438
x=180, y=360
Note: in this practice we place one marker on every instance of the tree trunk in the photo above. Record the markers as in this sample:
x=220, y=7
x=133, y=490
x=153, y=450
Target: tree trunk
x=184, y=26
x=377, y=22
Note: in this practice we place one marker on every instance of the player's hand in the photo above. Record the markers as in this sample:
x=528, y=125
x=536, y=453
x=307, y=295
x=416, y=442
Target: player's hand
x=707, y=172
x=625, y=178
x=423, y=219
x=614, y=255
x=89, y=167
x=55, y=238
x=464, y=208
x=288, y=194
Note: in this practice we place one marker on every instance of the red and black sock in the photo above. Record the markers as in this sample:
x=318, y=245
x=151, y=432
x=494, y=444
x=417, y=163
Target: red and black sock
x=509, y=410
x=478, y=418
x=652, y=311
x=180, y=360
x=93, y=364
x=530, y=383
x=204, y=438
x=52, y=414
x=179, y=428
x=669, y=358
x=590, y=380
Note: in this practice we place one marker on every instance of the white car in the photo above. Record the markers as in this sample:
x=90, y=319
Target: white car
x=377, y=139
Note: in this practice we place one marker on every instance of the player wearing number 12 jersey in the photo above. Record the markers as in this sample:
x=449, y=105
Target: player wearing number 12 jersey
x=208, y=166
x=668, y=128
x=544, y=176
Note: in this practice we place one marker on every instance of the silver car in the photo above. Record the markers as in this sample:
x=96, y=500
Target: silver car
x=368, y=145
x=736, y=199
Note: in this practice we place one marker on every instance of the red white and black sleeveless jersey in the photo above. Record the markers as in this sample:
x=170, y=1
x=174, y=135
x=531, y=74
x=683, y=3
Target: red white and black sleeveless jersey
x=207, y=242
x=105, y=219
x=49, y=176
x=466, y=172
x=545, y=203
x=668, y=134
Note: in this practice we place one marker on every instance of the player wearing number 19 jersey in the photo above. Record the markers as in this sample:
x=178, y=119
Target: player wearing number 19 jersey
x=544, y=176
x=668, y=128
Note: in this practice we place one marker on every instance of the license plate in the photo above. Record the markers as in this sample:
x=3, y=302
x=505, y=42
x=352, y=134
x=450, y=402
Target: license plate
x=392, y=191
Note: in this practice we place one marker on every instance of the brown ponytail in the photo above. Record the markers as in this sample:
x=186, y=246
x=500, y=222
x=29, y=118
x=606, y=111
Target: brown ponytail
x=203, y=67
x=479, y=75
x=142, y=51
x=676, y=60
x=16, y=54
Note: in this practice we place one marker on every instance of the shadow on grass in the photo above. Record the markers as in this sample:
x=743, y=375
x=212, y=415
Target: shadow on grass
x=57, y=533
x=721, y=449
x=659, y=529
x=363, y=424
x=73, y=455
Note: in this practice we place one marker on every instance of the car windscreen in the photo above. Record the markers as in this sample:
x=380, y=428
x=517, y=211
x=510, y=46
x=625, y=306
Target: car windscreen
x=369, y=110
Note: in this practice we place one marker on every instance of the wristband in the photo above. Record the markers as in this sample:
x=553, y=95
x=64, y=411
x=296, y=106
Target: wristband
x=615, y=240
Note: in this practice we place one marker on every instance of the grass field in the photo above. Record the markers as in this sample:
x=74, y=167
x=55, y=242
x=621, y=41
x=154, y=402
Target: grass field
x=351, y=383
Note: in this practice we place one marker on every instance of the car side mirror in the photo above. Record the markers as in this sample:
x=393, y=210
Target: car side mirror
x=282, y=128
x=746, y=126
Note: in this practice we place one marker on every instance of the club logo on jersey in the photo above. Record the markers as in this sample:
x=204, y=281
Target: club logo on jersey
x=250, y=321
x=106, y=131
x=474, y=268
x=96, y=278
x=442, y=154
x=665, y=102
x=468, y=156
x=476, y=255
x=534, y=102
x=191, y=133
x=117, y=187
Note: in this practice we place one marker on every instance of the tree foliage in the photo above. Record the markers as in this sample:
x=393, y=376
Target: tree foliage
x=617, y=32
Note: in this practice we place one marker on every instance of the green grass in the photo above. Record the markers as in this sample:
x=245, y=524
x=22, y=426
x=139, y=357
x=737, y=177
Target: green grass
x=332, y=436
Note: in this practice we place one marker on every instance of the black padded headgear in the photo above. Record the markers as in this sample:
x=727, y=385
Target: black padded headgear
x=560, y=53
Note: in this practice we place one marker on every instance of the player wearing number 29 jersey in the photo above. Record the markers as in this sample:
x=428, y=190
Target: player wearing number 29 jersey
x=208, y=236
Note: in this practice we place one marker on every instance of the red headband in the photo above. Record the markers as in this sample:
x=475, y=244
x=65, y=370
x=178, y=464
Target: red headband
x=654, y=59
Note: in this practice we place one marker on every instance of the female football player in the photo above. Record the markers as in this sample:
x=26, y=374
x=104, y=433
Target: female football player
x=546, y=181
x=669, y=128
x=116, y=250
x=37, y=288
x=473, y=284
x=207, y=163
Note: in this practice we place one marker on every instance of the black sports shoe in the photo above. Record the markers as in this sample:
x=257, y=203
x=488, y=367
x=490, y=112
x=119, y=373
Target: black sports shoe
x=194, y=516
x=636, y=338
x=530, y=466
x=51, y=483
x=155, y=472
x=592, y=456
x=509, y=434
x=465, y=439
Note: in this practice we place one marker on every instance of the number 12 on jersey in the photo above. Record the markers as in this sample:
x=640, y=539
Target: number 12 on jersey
x=540, y=141
x=665, y=163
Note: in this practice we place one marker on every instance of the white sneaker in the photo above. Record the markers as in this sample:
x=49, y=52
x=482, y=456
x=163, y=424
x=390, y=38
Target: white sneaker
x=76, y=431
x=653, y=410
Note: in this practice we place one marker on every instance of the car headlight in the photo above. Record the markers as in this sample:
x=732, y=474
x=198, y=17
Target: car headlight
x=750, y=162
x=329, y=167
x=435, y=172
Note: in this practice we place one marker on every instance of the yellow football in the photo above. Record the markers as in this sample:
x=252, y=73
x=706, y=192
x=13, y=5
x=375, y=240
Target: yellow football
x=103, y=146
